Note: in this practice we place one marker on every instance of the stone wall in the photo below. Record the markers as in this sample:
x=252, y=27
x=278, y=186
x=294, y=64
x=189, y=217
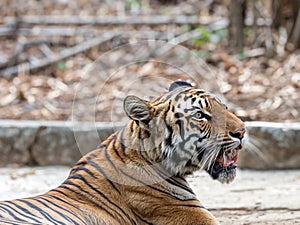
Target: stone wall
x=49, y=143
x=269, y=145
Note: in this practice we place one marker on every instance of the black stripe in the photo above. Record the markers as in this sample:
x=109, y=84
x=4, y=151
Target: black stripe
x=168, y=140
x=182, y=186
x=99, y=169
x=140, y=218
x=192, y=206
x=80, y=163
x=178, y=115
x=174, y=182
x=179, y=94
x=121, y=141
x=181, y=127
x=9, y=212
x=162, y=174
x=200, y=92
x=81, y=194
x=21, y=213
x=91, y=155
x=75, y=170
x=115, y=150
x=13, y=222
x=66, y=210
x=143, y=183
x=60, y=207
x=40, y=210
x=193, y=108
x=206, y=101
x=80, y=177
x=173, y=108
x=193, y=100
x=139, y=133
x=57, y=212
x=60, y=199
x=131, y=126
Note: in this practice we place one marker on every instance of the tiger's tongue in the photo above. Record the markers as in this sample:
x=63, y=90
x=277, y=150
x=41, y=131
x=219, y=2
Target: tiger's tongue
x=227, y=160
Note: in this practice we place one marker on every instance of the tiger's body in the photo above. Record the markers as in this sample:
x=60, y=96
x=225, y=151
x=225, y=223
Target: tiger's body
x=137, y=175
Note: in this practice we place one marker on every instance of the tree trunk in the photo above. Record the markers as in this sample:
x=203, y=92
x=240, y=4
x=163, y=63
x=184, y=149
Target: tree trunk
x=286, y=13
x=237, y=10
x=295, y=32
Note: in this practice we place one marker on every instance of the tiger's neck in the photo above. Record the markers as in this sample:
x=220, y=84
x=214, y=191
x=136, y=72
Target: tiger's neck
x=159, y=145
x=138, y=143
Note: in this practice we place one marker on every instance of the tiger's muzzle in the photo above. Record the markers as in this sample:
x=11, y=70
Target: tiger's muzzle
x=224, y=167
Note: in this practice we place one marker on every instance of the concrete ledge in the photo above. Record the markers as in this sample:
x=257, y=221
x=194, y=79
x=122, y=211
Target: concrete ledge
x=269, y=145
x=49, y=142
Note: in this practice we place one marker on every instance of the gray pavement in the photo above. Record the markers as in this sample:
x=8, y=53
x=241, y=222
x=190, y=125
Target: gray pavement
x=255, y=197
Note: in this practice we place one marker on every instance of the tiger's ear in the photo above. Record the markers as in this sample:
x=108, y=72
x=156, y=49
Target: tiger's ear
x=179, y=84
x=137, y=109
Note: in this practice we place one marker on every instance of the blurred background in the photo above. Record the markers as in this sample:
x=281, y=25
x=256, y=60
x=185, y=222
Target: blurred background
x=251, y=48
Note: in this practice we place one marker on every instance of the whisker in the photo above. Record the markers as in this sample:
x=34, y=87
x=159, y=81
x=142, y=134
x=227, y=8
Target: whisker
x=252, y=145
x=228, y=147
x=210, y=155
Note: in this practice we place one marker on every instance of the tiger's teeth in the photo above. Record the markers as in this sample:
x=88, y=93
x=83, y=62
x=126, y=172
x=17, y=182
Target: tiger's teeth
x=228, y=158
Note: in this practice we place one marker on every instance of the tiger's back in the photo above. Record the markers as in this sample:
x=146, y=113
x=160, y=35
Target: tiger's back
x=137, y=175
x=42, y=209
x=86, y=197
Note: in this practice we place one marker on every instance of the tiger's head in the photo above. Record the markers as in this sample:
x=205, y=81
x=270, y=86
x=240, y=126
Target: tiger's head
x=187, y=129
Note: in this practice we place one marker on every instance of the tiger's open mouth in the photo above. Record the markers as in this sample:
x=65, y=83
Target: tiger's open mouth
x=224, y=168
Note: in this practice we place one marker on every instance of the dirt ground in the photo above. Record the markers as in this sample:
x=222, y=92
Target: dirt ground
x=254, y=197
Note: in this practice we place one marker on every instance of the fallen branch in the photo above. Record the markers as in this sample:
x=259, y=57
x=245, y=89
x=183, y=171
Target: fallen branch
x=108, y=20
x=45, y=31
x=65, y=31
x=22, y=46
x=19, y=48
x=254, y=52
x=28, y=66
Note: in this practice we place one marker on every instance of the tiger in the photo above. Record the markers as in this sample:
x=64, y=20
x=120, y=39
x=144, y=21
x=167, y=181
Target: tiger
x=138, y=175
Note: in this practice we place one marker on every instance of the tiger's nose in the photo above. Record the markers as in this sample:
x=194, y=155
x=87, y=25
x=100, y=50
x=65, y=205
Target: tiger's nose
x=239, y=133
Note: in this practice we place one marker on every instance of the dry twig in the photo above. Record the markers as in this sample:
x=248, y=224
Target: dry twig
x=10, y=71
x=107, y=20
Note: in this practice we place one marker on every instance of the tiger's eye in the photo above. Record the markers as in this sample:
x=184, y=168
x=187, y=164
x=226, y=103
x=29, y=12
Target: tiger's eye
x=198, y=115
